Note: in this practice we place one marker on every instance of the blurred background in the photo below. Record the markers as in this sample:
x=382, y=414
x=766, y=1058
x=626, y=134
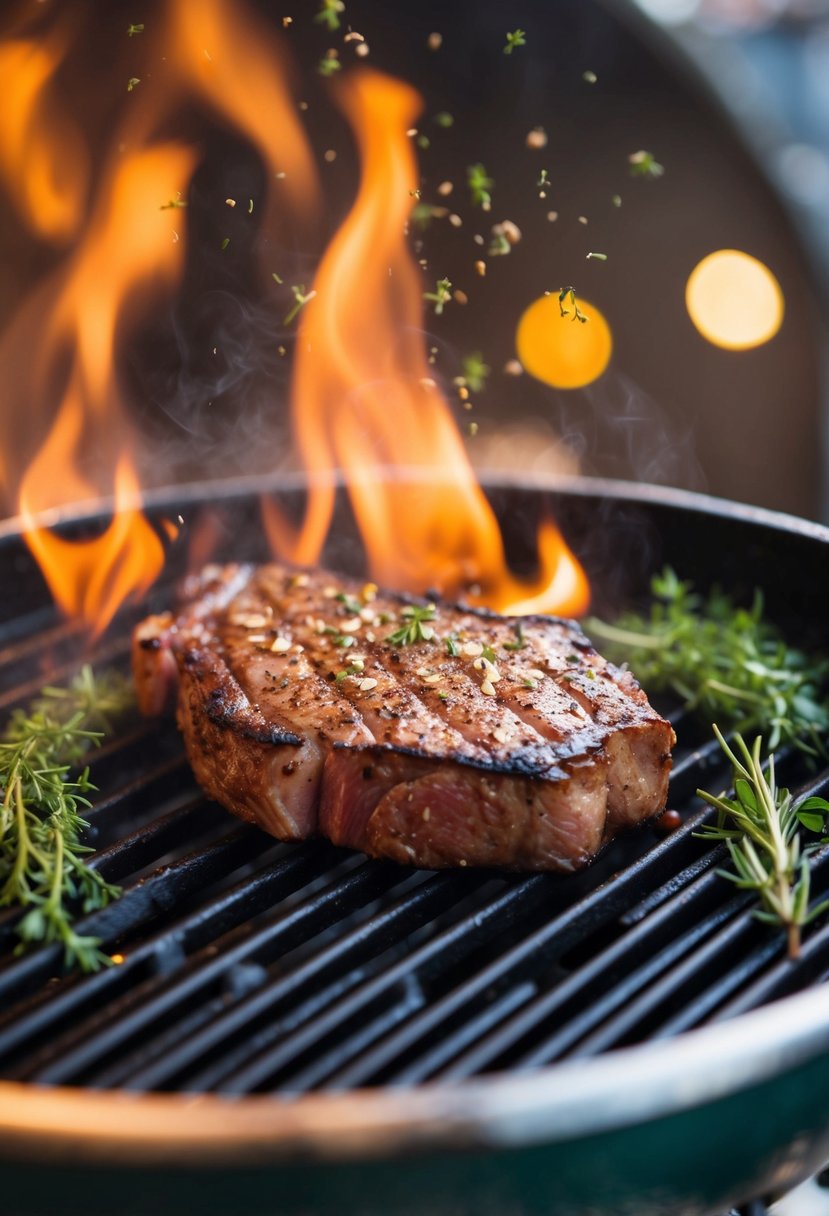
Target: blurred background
x=660, y=165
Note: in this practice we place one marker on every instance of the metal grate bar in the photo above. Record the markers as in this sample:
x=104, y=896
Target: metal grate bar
x=49, y=1013
x=442, y=953
x=596, y=988
x=133, y=1016
x=160, y=893
x=353, y=949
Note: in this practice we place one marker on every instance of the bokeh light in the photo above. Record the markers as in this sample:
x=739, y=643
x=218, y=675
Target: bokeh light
x=734, y=300
x=561, y=350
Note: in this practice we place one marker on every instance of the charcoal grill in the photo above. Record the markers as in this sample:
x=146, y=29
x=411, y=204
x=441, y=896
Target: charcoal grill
x=298, y=1029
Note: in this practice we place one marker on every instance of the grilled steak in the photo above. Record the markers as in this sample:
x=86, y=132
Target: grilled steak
x=420, y=731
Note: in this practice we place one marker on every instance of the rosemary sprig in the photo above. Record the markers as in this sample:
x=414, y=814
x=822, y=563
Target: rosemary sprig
x=416, y=627
x=726, y=663
x=42, y=870
x=759, y=826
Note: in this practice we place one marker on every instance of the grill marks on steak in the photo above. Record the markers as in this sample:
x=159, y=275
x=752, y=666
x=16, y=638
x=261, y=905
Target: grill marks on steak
x=522, y=749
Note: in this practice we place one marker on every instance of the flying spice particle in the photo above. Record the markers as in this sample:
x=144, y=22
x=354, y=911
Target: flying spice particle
x=250, y=206
x=132, y=82
x=329, y=14
x=276, y=278
x=589, y=77
x=515, y=39
x=441, y=296
x=132, y=30
x=301, y=300
x=644, y=164
x=616, y=200
x=601, y=257
x=330, y=64
x=434, y=42
x=230, y=202
x=480, y=184
x=225, y=243
x=444, y=120
x=178, y=201
x=537, y=138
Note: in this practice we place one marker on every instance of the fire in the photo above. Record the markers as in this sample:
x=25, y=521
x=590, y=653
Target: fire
x=365, y=403
x=42, y=156
x=65, y=409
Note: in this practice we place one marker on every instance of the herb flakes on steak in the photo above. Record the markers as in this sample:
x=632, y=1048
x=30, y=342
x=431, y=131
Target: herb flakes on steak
x=425, y=732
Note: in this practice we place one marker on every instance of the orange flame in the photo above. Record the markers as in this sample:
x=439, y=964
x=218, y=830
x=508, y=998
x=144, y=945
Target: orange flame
x=74, y=323
x=42, y=156
x=365, y=403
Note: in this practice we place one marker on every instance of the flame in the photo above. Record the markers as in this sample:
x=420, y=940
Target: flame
x=65, y=407
x=42, y=156
x=365, y=402
x=92, y=578
x=234, y=62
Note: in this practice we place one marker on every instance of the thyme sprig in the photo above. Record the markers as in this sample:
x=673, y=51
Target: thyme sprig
x=759, y=825
x=726, y=663
x=568, y=295
x=42, y=867
x=416, y=627
x=441, y=296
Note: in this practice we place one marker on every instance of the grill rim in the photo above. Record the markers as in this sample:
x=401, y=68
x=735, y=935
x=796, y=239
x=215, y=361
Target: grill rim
x=616, y=1090
x=621, y=1089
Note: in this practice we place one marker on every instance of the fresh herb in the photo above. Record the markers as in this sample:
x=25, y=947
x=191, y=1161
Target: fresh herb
x=514, y=39
x=302, y=297
x=600, y=257
x=173, y=203
x=250, y=206
x=416, y=628
x=132, y=82
x=499, y=245
x=726, y=663
x=444, y=120
x=489, y=654
x=441, y=296
x=589, y=77
x=519, y=643
x=644, y=164
x=759, y=826
x=423, y=141
x=353, y=669
x=329, y=65
x=475, y=372
x=41, y=855
x=225, y=243
x=616, y=200
x=276, y=278
x=543, y=179
x=451, y=644
x=329, y=14
x=569, y=294
x=480, y=184
x=132, y=30
x=349, y=603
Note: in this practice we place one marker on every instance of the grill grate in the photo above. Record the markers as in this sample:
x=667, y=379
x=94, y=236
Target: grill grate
x=251, y=966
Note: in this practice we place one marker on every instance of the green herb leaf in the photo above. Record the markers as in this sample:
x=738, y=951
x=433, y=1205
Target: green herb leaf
x=644, y=164
x=441, y=296
x=302, y=297
x=480, y=186
x=726, y=663
x=41, y=854
x=514, y=39
x=759, y=827
x=329, y=14
x=416, y=627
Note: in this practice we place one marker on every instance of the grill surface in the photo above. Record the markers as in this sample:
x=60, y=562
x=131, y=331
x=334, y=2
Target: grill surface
x=254, y=967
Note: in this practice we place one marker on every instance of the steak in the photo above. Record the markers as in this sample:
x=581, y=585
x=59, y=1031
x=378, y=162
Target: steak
x=417, y=730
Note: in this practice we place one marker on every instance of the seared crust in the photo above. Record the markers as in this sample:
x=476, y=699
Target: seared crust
x=481, y=740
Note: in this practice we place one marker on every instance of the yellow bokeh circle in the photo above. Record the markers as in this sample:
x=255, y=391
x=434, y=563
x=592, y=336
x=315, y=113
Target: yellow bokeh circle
x=561, y=350
x=734, y=300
